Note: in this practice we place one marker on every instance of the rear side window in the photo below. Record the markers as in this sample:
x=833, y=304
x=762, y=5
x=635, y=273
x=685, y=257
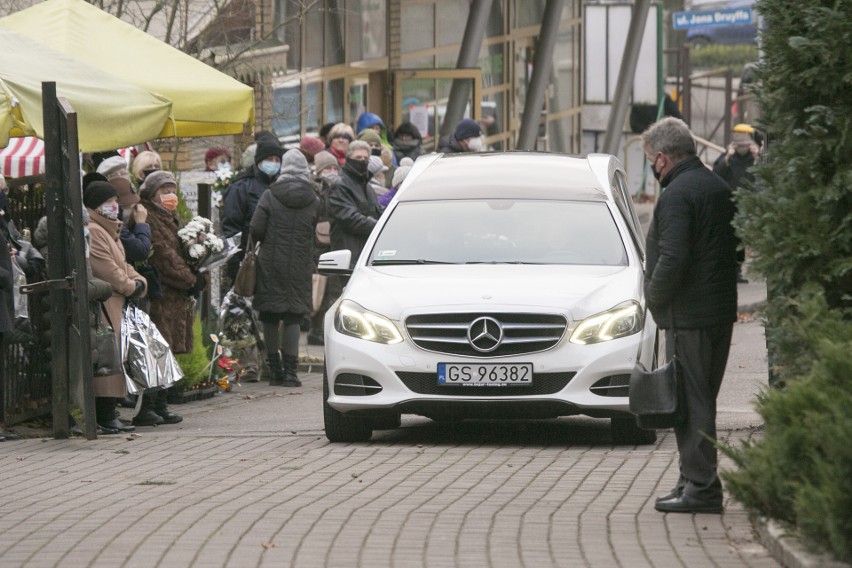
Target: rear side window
x=501, y=231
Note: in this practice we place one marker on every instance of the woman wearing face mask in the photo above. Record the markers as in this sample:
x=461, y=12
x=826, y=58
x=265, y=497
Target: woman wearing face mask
x=144, y=164
x=243, y=193
x=107, y=260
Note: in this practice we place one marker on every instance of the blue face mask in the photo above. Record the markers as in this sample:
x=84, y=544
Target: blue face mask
x=269, y=167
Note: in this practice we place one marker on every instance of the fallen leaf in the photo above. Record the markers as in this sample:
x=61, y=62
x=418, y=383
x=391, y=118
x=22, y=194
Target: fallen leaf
x=354, y=475
x=21, y=458
x=268, y=545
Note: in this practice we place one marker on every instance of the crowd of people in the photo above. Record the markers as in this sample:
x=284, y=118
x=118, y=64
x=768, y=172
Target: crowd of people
x=292, y=206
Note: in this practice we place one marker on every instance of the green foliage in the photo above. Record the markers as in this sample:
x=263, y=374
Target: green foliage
x=715, y=56
x=194, y=363
x=797, y=221
x=799, y=472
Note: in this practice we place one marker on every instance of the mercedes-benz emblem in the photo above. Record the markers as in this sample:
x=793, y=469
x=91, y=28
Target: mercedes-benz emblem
x=485, y=334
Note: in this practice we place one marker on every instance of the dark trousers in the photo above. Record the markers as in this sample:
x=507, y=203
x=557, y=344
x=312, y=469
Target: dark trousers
x=703, y=354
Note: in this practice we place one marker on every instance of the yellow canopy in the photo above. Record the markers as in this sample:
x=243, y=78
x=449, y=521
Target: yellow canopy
x=205, y=102
x=111, y=113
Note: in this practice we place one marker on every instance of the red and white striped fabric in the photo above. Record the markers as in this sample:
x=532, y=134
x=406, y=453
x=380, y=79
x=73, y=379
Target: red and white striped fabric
x=22, y=157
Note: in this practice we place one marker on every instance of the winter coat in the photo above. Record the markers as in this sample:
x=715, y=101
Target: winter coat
x=136, y=242
x=239, y=202
x=7, y=300
x=106, y=257
x=322, y=187
x=353, y=210
x=735, y=170
x=172, y=313
x=284, y=224
x=449, y=145
x=691, y=250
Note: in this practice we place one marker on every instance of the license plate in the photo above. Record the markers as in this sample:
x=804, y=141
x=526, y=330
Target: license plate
x=485, y=374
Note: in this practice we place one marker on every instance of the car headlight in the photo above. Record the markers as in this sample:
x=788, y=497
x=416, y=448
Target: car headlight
x=624, y=319
x=352, y=319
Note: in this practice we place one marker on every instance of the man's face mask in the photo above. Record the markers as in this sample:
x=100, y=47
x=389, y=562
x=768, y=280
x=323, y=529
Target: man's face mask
x=474, y=144
x=269, y=167
x=376, y=152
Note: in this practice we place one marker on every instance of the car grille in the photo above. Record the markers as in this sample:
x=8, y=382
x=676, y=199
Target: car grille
x=427, y=383
x=522, y=333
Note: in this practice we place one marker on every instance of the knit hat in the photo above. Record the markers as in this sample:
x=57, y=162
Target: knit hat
x=294, y=163
x=266, y=148
x=92, y=176
x=97, y=193
x=376, y=165
x=399, y=175
x=467, y=128
x=155, y=181
x=324, y=160
x=215, y=152
x=370, y=136
x=310, y=147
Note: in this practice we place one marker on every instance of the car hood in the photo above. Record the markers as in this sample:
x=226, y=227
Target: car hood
x=578, y=291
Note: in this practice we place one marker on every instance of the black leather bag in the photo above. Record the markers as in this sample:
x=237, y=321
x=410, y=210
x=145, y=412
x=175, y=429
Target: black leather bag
x=657, y=397
x=108, y=360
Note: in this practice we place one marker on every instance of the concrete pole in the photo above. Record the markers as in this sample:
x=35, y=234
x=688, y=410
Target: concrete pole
x=624, y=86
x=541, y=73
x=474, y=32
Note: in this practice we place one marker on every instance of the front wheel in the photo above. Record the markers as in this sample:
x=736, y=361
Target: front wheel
x=624, y=431
x=338, y=426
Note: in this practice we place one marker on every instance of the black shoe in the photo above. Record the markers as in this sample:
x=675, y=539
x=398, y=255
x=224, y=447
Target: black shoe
x=687, y=504
x=8, y=435
x=315, y=340
x=147, y=417
x=250, y=376
x=676, y=492
x=169, y=418
x=116, y=425
x=741, y=279
x=128, y=401
x=291, y=382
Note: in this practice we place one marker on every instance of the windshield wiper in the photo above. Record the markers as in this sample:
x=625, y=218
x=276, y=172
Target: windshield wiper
x=500, y=262
x=401, y=261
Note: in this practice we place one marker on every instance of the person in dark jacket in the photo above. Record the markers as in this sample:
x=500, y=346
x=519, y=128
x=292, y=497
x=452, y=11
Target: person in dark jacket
x=691, y=290
x=326, y=172
x=243, y=193
x=467, y=137
x=284, y=224
x=7, y=313
x=733, y=167
x=406, y=142
x=352, y=206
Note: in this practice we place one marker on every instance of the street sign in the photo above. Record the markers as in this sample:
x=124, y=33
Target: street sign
x=723, y=17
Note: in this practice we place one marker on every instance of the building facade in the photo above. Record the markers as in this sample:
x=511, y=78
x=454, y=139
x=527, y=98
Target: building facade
x=399, y=60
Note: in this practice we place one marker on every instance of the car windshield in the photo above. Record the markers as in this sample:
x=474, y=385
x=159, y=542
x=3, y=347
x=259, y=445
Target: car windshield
x=500, y=231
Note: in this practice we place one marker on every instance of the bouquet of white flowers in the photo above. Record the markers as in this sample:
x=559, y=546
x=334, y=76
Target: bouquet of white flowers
x=200, y=245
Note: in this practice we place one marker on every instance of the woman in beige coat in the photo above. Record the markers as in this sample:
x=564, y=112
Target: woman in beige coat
x=106, y=258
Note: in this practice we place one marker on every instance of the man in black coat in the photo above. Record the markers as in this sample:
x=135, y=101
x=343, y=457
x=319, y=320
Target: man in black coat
x=691, y=290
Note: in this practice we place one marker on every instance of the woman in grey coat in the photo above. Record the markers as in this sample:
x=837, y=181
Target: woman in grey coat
x=284, y=224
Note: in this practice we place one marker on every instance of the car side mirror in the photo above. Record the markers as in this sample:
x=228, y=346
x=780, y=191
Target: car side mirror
x=335, y=263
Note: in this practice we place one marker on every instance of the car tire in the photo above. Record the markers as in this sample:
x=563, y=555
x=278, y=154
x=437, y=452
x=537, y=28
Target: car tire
x=338, y=426
x=624, y=431
x=386, y=421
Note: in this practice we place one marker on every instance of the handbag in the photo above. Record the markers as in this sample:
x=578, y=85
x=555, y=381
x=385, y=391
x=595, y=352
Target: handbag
x=318, y=283
x=657, y=397
x=323, y=233
x=108, y=361
x=246, y=279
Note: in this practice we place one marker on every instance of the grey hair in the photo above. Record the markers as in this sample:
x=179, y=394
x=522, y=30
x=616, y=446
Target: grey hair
x=357, y=145
x=672, y=137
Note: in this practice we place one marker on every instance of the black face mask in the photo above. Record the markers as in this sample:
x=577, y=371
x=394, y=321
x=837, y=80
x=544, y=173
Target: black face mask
x=656, y=174
x=358, y=166
x=376, y=152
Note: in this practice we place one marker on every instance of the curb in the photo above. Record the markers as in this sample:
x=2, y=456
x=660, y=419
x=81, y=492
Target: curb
x=788, y=549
